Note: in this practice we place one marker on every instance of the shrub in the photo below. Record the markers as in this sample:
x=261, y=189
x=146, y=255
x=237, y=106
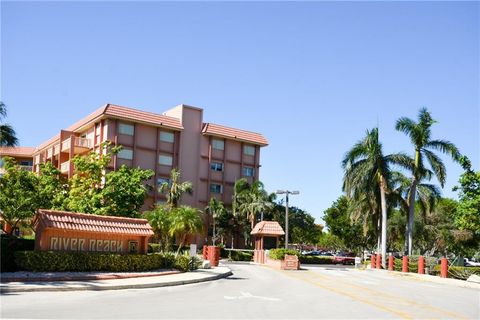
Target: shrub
x=9, y=245
x=186, y=263
x=279, y=254
x=456, y=272
x=315, y=260
x=89, y=261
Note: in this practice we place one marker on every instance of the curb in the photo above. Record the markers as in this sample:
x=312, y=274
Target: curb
x=92, y=287
x=6, y=280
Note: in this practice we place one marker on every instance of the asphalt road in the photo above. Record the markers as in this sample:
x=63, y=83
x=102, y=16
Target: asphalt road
x=256, y=292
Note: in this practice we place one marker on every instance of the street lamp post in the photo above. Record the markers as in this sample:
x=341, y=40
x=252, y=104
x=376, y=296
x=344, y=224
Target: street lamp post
x=286, y=192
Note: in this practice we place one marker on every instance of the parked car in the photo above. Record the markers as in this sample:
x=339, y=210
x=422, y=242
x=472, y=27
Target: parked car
x=344, y=258
x=470, y=263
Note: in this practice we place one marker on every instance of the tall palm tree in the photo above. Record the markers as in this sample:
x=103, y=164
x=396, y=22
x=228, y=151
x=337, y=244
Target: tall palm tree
x=185, y=221
x=420, y=137
x=427, y=196
x=175, y=189
x=7, y=133
x=366, y=169
x=215, y=208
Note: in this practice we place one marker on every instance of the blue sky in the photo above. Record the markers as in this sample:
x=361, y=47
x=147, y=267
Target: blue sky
x=310, y=76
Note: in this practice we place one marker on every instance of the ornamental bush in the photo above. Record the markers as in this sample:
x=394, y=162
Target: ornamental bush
x=48, y=261
x=279, y=254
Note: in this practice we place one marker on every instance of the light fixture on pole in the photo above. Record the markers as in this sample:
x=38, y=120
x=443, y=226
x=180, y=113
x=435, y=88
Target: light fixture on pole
x=286, y=192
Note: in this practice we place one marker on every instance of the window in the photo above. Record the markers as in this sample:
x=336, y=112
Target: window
x=165, y=160
x=248, y=171
x=167, y=136
x=124, y=128
x=125, y=154
x=218, y=144
x=249, y=150
x=216, y=166
x=216, y=188
x=25, y=163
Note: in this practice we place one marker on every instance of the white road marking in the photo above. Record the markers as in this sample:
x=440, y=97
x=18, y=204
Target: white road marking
x=248, y=295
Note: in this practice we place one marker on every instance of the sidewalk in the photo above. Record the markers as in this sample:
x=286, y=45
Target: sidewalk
x=118, y=281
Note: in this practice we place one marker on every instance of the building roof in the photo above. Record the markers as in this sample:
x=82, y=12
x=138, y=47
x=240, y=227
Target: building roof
x=120, y=112
x=17, y=151
x=92, y=223
x=234, y=134
x=268, y=228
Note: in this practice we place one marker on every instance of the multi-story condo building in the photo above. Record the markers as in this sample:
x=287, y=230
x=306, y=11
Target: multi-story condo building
x=209, y=155
x=22, y=155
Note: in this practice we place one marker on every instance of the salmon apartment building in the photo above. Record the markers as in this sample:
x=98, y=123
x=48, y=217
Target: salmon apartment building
x=209, y=155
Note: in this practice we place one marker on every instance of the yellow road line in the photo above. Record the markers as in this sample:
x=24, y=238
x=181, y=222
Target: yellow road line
x=354, y=297
x=398, y=300
x=395, y=297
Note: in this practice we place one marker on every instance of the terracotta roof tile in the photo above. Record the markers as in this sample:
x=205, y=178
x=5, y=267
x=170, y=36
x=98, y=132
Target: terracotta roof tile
x=271, y=228
x=93, y=223
x=17, y=151
x=235, y=134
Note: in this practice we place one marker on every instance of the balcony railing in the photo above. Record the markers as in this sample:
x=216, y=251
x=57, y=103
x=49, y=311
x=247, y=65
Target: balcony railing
x=65, y=167
x=56, y=149
x=26, y=168
x=49, y=153
x=79, y=144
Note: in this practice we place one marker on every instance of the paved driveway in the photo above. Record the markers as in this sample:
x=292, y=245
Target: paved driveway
x=256, y=292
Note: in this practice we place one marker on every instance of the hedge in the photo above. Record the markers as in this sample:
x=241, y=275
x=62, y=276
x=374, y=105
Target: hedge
x=316, y=259
x=88, y=261
x=9, y=245
x=236, y=255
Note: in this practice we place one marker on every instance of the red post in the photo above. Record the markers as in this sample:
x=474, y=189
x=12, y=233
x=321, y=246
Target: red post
x=391, y=262
x=444, y=268
x=372, y=261
x=405, y=264
x=379, y=261
x=421, y=265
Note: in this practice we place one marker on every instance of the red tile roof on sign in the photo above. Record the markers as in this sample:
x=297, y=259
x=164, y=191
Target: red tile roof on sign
x=268, y=228
x=92, y=223
x=119, y=112
x=17, y=151
x=235, y=134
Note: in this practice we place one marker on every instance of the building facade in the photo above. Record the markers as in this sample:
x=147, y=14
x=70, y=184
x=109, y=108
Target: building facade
x=209, y=155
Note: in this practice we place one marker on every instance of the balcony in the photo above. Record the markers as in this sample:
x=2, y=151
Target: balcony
x=56, y=149
x=65, y=167
x=49, y=153
x=80, y=145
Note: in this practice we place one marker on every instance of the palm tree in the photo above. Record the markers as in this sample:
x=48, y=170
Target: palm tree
x=160, y=219
x=254, y=200
x=367, y=172
x=7, y=134
x=419, y=133
x=427, y=196
x=175, y=188
x=215, y=208
x=185, y=221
